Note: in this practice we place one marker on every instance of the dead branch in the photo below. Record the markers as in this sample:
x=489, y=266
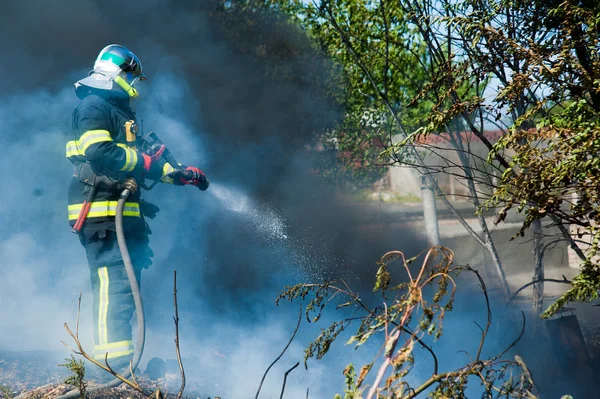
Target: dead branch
x=176, y=320
x=398, y=345
x=544, y=280
x=473, y=368
x=280, y=355
x=489, y=313
x=285, y=379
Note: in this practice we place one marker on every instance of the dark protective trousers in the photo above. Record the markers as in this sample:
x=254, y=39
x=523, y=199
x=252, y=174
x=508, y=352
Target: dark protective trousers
x=112, y=297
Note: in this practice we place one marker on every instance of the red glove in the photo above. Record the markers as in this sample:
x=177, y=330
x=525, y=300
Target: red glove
x=150, y=159
x=194, y=177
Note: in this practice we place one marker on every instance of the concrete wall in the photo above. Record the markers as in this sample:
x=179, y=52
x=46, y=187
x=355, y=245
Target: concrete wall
x=404, y=180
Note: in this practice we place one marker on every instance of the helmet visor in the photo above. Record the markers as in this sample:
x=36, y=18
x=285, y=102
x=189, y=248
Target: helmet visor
x=134, y=70
x=135, y=79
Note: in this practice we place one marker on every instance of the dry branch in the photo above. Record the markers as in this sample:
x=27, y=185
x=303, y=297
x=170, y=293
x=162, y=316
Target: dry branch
x=280, y=355
x=285, y=379
x=176, y=320
x=106, y=367
x=425, y=311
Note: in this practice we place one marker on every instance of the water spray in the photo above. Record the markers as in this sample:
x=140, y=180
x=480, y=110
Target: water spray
x=266, y=221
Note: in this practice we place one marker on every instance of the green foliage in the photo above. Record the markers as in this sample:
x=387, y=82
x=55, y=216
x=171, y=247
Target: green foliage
x=422, y=67
x=351, y=391
x=378, y=32
x=6, y=392
x=76, y=380
x=438, y=57
x=556, y=137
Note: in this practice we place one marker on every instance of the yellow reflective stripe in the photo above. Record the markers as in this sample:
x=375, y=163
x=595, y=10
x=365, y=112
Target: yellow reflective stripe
x=105, y=208
x=113, y=355
x=114, y=345
x=127, y=160
x=103, y=306
x=167, y=168
x=131, y=158
x=134, y=159
x=132, y=155
x=92, y=137
x=73, y=149
x=78, y=147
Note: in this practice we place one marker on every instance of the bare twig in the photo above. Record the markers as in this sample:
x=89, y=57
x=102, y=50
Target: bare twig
x=280, y=355
x=509, y=347
x=78, y=315
x=489, y=313
x=285, y=379
x=176, y=320
x=544, y=280
x=106, y=367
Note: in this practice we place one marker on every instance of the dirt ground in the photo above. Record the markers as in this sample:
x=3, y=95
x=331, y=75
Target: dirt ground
x=37, y=375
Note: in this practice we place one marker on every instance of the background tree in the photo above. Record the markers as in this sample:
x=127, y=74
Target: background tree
x=392, y=68
x=529, y=69
x=539, y=63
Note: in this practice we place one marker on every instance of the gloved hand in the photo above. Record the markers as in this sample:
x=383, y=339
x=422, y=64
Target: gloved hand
x=192, y=176
x=150, y=159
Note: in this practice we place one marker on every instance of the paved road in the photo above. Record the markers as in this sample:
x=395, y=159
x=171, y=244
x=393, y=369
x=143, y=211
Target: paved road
x=516, y=254
x=391, y=212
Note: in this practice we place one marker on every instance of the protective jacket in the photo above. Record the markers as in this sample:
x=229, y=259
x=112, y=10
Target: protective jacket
x=99, y=146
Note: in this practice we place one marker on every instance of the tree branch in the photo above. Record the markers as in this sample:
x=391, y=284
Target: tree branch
x=285, y=379
x=176, y=320
x=280, y=355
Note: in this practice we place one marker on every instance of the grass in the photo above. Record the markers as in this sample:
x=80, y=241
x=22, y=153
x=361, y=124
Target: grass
x=386, y=196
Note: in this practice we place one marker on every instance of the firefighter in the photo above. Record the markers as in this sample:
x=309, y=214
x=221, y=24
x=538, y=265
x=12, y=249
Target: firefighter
x=104, y=151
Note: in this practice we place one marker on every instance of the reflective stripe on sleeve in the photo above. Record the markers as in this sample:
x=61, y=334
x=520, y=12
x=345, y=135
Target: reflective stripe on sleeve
x=92, y=137
x=73, y=149
x=104, y=209
x=131, y=158
x=167, y=168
